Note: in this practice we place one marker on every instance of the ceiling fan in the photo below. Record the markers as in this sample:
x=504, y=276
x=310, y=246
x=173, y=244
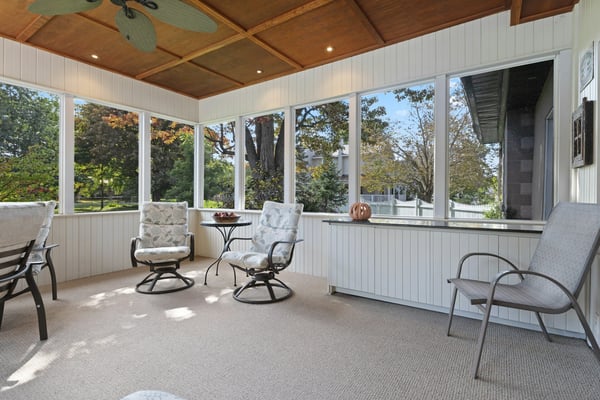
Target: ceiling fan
x=134, y=26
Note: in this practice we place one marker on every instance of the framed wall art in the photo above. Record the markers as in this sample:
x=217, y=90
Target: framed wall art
x=583, y=134
x=586, y=67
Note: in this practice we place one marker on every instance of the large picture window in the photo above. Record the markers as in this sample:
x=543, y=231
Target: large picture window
x=28, y=144
x=500, y=148
x=264, y=139
x=322, y=157
x=219, y=157
x=397, y=145
x=172, y=161
x=106, y=158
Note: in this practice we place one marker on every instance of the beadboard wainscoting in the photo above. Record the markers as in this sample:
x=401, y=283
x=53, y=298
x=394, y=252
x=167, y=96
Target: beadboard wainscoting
x=411, y=265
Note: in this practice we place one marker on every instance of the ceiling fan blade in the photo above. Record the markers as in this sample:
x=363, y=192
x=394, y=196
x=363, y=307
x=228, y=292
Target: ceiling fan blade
x=137, y=30
x=59, y=7
x=181, y=15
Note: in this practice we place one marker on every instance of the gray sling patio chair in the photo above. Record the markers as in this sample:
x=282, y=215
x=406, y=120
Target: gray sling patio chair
x=271, y=252
x=553, y=281
x=163, y=242
x=20, y=223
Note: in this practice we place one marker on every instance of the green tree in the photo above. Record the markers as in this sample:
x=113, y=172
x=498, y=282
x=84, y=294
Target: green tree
x=470, y=176
x=167, y=140
x=28, y=144
x=219, y=149
x=264, y=141
x=182, y=173
x=321, y=130
x=106, y=152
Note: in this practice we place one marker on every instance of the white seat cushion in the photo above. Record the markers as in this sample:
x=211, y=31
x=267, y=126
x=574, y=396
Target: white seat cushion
x=249, y=259
x=160, y=254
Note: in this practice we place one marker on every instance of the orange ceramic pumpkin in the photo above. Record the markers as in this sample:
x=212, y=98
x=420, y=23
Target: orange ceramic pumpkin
x=360, y=211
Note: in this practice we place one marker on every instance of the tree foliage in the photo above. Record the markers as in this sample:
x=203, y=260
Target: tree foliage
x=406, y=151
x=106, y=153
x=264, y=142
x=219, y=149
x=28, y=144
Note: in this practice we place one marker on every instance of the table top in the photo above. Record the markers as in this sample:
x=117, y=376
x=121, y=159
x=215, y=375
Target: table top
x=239, y=222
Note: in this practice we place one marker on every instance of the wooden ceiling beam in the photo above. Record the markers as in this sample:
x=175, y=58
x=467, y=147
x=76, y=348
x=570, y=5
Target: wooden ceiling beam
x=32, y=28
x=280, y=19
x=241, y=34
x=544, y=13
x=515, y=12
x=365, y=21
x=180, y=60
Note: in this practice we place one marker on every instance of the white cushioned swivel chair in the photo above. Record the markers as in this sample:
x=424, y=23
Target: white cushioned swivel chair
x=271, y=251
x=163, y=242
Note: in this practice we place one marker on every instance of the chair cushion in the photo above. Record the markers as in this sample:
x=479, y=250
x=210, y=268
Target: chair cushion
x=250, y=259
x=278, y=222
x=160, y=254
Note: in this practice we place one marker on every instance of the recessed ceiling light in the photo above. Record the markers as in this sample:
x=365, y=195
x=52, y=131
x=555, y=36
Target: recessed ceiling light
x=259, y=71
x=95, y=56
x=329, y=49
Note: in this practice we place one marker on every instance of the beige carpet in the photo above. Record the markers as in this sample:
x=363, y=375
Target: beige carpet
x=107, y=341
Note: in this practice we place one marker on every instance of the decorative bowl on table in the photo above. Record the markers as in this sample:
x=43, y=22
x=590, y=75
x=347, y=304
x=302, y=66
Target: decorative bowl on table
x=225, y=216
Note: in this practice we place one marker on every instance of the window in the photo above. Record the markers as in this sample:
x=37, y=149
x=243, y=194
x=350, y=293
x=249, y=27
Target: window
x=219, y=158
x=264, y=141
x=28, y=144
x=397, y=139
x=500, y=148
x=322, y=157
x=172, y=161
x=106, y=158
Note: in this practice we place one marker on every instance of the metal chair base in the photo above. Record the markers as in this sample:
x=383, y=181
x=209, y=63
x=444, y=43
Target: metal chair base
x=259, y=280
x=163, y=274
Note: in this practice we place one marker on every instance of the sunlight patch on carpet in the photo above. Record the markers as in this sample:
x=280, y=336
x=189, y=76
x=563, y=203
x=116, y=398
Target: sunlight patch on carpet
x=179, y=314
x=30, y=370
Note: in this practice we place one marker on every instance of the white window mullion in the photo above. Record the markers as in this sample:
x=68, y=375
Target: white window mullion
x=198, y=166
x=354, y=148
x=66, y=167
x=440, y=164
x=145, y=170
x=289, y=151
x=240, y=151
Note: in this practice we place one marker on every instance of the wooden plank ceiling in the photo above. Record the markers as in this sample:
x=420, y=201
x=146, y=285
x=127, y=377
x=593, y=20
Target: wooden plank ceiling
x=276, y=37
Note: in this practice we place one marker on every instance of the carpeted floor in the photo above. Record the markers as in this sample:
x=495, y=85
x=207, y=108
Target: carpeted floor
x=107, y=341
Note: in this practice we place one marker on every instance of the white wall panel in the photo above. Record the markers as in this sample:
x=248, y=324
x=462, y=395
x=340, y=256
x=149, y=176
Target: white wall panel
x=43, y=75
x=29, y=64
x=489, y=39
x=2, y=57
x=415, y=57
x=473, y=43
x=458, y=51
x=57, y=65
x=12, y=59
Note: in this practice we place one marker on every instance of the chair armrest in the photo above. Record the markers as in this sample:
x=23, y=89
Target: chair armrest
x=16, y=274
x=275, y=244
x=134, y=242
x=192, y=250
x=484, y=254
